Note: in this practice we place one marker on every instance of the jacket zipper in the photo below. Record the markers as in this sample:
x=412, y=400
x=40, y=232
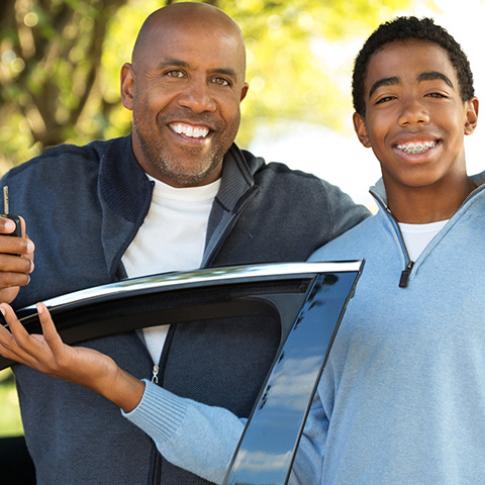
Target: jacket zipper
x=409, y=264
x=403, y=280
x=406, y=272
x=155, y=370
x=233, y=218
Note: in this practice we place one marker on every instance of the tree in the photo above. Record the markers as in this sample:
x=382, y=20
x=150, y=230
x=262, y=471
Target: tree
x=60, y=63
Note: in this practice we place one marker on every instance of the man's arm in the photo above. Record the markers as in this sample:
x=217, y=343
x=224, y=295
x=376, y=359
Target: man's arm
x=342, y=210
x=194, y=436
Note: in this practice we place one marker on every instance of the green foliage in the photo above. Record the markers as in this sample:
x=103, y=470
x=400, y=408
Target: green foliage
x=60, y=62
x=10, y=422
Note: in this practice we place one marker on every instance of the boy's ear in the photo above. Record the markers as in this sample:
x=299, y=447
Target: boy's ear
x=471, y=115
x=360, y=129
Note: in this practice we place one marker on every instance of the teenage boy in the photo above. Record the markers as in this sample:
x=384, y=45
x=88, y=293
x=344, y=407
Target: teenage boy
x=402, y=397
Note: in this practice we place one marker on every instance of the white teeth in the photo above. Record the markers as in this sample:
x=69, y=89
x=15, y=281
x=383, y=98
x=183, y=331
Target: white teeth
x=415, y=148
x=190, y=131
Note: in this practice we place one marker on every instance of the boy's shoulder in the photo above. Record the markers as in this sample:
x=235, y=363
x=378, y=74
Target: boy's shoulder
x=352, y=244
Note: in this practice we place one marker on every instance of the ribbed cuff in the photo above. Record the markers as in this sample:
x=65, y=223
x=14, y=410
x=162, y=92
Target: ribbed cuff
x=159, y=412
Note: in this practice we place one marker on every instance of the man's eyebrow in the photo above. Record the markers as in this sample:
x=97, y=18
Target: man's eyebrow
x=432, y=75
x=387, y=81
x=169, y=62
x=227, y=71
x=172, y=62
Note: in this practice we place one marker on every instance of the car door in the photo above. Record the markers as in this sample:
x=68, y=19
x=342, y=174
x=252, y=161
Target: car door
x=308, y=299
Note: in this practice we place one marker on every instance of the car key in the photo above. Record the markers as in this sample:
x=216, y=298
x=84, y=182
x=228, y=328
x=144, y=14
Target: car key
x=16, y=219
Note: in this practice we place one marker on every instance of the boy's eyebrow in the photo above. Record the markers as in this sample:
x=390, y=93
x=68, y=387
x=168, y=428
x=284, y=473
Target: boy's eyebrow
x=387, y=81
x=424, y=76
x=432, y=75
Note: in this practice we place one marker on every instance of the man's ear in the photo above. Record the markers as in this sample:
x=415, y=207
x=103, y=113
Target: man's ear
x=127, y=83
x=471, y=115
x=244, y=91
x=361, y=130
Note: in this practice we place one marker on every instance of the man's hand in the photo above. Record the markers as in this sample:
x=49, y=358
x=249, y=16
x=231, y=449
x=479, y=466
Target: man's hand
x=47, y=353
x=16, y=260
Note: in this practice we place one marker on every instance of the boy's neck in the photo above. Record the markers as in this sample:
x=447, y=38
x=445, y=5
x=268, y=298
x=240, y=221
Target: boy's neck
x=422, y=205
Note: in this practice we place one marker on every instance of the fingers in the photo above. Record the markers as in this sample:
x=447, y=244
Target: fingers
x=23, y=228
x=12, y=343
x=20, y=246
x=17, y=330
x=49, y=330
x=7, y=226
x=16, y=259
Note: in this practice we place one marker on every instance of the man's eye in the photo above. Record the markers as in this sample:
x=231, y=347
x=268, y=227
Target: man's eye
x=175, y=73
x=220, y=81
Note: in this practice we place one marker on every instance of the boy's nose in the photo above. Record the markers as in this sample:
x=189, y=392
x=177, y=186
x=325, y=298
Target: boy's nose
x=413, y=113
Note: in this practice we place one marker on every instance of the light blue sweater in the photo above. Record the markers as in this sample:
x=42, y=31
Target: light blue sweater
x=402, y=400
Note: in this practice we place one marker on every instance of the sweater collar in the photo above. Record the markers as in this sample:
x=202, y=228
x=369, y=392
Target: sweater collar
x=378, y=190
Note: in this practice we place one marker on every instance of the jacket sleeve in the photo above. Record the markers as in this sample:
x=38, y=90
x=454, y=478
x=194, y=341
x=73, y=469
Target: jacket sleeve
x=343, y=212
x=308, y=464
x=191, y=435
x=202, y=439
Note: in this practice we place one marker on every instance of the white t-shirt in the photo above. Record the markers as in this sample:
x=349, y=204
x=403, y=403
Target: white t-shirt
x=171, y=238
x=417, y=236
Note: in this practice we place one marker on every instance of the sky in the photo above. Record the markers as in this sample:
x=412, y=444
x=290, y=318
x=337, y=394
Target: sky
x=338, y=157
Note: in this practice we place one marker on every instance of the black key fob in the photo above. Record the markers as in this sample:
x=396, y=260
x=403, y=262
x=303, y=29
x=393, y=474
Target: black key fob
x=15, y=219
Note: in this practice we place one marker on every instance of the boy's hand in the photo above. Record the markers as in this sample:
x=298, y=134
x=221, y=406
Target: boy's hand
x=16, y=260
x=47, y=353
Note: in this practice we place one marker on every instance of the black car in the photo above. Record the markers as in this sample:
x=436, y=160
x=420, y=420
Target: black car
x=308, y=299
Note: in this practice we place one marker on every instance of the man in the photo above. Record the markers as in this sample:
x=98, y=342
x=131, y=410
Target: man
x=175, y=195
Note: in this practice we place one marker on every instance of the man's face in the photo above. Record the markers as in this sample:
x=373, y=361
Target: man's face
x=185, y=88
x=415, y=120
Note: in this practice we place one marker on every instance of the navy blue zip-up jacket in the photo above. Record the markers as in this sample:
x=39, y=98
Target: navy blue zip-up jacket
x=83, y=206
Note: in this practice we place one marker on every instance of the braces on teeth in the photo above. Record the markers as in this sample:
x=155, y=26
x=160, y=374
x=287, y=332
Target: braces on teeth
x=414, y=148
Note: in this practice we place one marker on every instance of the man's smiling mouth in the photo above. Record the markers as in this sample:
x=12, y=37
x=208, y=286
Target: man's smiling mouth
x=190, y=131
x=416, y=148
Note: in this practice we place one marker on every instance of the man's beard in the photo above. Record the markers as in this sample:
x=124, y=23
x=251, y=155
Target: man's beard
x=173, y=171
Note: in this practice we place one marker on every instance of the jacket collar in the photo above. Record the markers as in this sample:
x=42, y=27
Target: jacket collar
x=237, y=176
x=378, y=190
x=125, y=195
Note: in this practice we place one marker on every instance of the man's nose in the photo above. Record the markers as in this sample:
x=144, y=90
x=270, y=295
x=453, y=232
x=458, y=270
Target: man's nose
x=413, y=112
x=197, y=97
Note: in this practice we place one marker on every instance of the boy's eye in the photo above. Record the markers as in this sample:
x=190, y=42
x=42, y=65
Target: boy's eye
x=384, y=99
x=436, y=95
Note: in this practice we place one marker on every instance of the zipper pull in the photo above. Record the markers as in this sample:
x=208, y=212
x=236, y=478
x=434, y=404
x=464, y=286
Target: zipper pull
x=155, y=370
x=403, y=282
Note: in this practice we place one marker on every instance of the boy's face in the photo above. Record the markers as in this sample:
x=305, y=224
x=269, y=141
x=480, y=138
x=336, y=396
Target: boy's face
x=415, y=119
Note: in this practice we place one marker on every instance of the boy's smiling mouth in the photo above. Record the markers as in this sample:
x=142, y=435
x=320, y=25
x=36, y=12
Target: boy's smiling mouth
x=416, y=148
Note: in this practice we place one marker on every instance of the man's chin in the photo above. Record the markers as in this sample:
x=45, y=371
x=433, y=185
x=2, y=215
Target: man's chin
x=188, y=177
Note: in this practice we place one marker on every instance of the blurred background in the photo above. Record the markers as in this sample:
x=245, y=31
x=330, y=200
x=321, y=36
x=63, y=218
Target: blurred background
x=59, y=82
